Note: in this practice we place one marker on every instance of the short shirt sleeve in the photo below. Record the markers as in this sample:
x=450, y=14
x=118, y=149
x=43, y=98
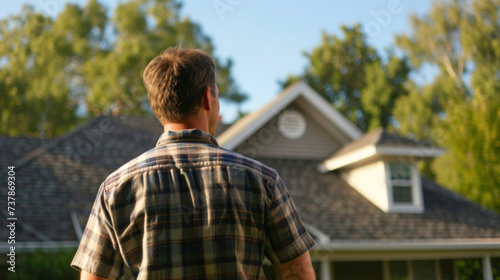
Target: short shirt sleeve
x=98, y=253
x=286, y=236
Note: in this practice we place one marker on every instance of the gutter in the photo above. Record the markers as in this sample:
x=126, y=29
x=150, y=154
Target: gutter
x=411, y=245
x=32, y=246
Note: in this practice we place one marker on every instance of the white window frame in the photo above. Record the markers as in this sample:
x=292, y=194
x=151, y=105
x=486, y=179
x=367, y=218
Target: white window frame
x=416, y=206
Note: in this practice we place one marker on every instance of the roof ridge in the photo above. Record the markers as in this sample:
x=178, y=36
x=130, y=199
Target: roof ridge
x=24, y=160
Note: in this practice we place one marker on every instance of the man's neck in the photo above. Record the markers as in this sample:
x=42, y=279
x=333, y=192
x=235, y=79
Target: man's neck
x=187, y=124
x=179, y=126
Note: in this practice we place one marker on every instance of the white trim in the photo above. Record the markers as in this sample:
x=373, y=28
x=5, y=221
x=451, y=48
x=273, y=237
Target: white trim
x=487, y=271
x=325, y=273
x=323, y=122
x=344, y=160
x=322, y=237
x=417, y=204
x=33, y=245
x=413, y=152
x=372, y=150
x=406, y=245
x=244, y=128
x=76, y=225
x=319, y=102
x=373, y=250
x=247, y=126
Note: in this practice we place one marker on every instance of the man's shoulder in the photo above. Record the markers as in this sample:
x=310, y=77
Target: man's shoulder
x=127, y=170
x=190, y=155
x=239, y=160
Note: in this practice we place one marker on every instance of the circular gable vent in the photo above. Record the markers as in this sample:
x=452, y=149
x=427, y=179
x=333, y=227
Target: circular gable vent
x=292, y=124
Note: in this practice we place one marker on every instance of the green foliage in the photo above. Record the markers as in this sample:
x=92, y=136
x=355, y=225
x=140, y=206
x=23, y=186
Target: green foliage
x=435, y=38
x=384, y=85
x=495, y=267
x=469, y=269
x=44, y=265
x=471, y=132
x=352, y=76
x=460, y=109
x=36, y=95
x=55, y=73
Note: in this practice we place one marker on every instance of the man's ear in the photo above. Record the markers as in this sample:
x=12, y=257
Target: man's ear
x=207, y=95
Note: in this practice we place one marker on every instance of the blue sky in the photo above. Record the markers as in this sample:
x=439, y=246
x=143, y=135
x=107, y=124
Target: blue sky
x=265, y=39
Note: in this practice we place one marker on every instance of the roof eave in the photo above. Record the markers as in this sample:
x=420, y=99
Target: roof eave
x=370, y=151
x=412, y=245
x=347, y=159
x=413, y=152
x=44, y=245
x=244, y=128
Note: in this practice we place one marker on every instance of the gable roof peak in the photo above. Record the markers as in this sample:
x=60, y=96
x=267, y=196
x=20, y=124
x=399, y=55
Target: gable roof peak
x=249, y=124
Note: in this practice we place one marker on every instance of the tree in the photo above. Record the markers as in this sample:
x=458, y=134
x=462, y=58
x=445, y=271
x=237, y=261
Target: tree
x=471, y=133
x=461, y=39
x=55, y=73
x=384, y=85
x=35, y=93
x=353, y=77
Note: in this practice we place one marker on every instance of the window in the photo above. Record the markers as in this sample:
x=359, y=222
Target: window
x=400, y=177
x=402, y=194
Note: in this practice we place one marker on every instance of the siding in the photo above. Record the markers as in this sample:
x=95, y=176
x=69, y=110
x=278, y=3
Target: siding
x=268, y=141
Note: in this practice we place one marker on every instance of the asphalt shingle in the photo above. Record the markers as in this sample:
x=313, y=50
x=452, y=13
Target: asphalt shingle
x=57, y=180
x=338, y=210
x=380, y=137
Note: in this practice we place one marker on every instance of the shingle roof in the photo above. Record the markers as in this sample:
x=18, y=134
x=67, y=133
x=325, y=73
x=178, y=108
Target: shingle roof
x=338, y=210
x=58, y=182
x=221, y=127
x=13, y=148
x=63, y=176
x=59, y=178
x=380, y=137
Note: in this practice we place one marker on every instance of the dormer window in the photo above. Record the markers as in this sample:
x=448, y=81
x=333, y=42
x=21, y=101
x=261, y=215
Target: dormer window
x=382, y=167
x=403, y=187
x=401, y=183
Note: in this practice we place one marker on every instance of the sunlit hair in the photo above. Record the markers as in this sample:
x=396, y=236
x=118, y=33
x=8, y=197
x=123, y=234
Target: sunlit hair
x=175, y=81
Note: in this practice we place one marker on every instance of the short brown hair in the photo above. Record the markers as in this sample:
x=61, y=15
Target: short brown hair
x=175, y=81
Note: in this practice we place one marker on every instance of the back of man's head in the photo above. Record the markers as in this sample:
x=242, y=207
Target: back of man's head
x=175, y=81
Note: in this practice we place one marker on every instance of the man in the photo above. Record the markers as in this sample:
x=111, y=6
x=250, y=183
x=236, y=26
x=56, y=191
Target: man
x=189, y=209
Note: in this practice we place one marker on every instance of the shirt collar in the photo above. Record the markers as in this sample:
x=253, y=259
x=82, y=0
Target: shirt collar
x=189, y=135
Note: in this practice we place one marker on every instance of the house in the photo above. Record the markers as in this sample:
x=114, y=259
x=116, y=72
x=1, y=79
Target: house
x=361, y=196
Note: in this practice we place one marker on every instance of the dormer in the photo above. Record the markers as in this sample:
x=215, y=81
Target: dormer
x=382, y=167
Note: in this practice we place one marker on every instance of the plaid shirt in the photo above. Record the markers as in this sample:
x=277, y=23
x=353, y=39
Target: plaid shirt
x=189, y=209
